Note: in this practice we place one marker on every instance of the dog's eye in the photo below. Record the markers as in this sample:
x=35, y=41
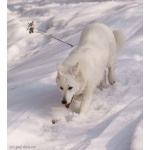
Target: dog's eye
x=61, y=88
x=70, y=87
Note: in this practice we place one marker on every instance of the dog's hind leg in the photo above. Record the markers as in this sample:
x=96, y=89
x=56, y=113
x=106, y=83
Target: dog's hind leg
x=111, y=75
x=103, y=82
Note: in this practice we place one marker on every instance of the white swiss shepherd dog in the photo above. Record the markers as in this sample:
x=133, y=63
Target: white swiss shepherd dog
x=85, y=67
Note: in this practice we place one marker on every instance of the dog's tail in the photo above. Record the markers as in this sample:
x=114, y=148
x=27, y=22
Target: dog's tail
x=119, y=38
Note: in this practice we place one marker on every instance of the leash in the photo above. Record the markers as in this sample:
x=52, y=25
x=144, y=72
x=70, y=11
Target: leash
x=31, y=30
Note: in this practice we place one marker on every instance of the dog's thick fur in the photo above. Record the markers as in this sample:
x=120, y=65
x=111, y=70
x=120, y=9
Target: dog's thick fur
x=84, y=69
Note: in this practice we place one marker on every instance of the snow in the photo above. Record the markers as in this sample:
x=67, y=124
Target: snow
x=137, y=143
x=114, y=119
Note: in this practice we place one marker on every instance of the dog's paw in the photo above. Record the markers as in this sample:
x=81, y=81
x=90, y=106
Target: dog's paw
x=112, y=83
x=101, y=87
x=82, y=113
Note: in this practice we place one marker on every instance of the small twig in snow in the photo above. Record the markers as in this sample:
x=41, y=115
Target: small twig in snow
x=31, y=30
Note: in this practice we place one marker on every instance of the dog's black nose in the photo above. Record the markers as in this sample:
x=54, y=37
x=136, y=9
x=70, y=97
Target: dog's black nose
x=64, y=102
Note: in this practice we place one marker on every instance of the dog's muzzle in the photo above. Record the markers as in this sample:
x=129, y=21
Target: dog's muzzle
x=68, y=105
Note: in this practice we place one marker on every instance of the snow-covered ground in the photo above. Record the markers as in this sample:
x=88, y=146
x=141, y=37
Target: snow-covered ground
x=114, y=119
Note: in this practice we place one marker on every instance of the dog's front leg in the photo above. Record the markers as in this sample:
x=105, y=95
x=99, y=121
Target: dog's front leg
x=87, y=96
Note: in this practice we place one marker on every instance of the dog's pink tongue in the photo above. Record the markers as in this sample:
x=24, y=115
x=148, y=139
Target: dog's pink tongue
x=68, y=105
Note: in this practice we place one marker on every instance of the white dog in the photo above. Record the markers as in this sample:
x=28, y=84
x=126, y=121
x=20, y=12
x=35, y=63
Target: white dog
x=84, y=69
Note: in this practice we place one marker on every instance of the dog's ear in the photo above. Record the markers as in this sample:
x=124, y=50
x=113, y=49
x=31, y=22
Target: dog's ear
x=76, y=68
x=61, y=70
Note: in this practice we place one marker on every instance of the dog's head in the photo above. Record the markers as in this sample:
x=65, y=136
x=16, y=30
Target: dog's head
x=69, y=81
